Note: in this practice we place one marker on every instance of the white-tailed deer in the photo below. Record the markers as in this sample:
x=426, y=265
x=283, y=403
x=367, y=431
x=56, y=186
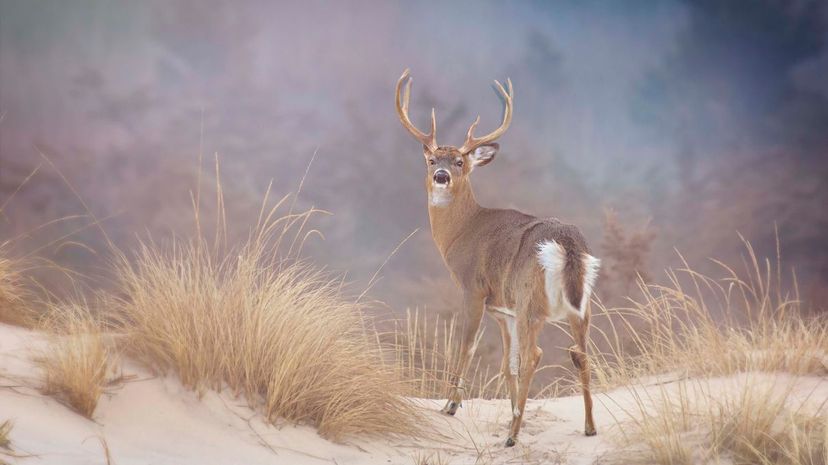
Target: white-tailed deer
x=522, y=270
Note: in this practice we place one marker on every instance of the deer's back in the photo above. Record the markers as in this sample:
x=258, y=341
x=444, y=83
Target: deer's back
x=497, y=254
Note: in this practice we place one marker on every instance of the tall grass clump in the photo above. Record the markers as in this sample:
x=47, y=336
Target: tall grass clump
x=713, y=368
x=77, y=364
x=699, y=325
x=763, y=424
x=754, y=419
x=14, y=296
x=427, y=353
x=266, y=325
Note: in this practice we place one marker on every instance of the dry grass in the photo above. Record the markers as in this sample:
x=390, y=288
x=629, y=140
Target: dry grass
x=704, y=326
x=430, y=459
x=78, y=364
x=16, y=305
x=15, y=299
x=277, y=331
x=5, y=429
x=763, y=424
x=282, y=333
x=754, y=419
x=427, y=354
x=690, y=335
x=5, y=442
x=106, y=451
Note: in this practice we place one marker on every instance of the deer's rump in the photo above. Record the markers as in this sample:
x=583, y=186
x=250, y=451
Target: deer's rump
x=551, y=264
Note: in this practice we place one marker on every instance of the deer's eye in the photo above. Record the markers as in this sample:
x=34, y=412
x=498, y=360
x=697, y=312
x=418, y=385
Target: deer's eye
x=459, y=163
x=431, y=161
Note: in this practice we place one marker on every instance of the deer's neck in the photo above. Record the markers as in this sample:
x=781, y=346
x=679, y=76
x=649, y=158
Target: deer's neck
x=448, y=221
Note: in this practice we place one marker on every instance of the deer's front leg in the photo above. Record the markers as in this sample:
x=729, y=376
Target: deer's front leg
x=470, y=319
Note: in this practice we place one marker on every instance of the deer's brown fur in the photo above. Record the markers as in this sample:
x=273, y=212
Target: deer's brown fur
x=523, y=269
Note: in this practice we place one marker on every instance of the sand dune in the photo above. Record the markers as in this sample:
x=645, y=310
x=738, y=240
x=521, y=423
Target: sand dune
x=153, y=420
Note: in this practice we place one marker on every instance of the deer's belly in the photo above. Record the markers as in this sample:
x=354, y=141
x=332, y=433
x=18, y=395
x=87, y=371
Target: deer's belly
x=557, y=314
x=500, y=312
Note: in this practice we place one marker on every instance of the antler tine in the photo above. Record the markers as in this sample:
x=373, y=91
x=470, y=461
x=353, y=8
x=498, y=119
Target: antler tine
x=428, y=140
x=474, y=142
x=433, y=128
x=470, y=134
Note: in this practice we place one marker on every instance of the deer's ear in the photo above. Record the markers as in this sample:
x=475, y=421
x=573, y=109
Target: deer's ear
x=484, y=154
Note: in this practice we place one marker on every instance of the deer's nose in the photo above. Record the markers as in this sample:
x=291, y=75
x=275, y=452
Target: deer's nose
x=442, y=177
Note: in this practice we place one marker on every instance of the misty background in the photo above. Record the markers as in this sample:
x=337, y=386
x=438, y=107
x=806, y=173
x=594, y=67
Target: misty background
x=686, y=120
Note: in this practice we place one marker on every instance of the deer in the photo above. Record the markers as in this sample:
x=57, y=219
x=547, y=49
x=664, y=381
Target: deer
x=522, y=270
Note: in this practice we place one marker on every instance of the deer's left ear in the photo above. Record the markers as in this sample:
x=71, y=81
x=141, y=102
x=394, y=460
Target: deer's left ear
x=484, y=154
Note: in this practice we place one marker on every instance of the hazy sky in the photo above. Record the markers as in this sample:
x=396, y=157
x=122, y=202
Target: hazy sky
x=699, y=118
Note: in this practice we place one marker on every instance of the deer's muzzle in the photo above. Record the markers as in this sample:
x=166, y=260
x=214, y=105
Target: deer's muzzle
x=442, y=177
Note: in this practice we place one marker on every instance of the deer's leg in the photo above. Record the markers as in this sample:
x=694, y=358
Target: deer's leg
x=472, y=316
x=505, y=369
x=578, y=352
x=530, y=355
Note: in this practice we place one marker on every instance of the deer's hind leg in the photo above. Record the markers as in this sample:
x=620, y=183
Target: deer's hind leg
x=506, y=324
x=527, y=329
x=578, y=353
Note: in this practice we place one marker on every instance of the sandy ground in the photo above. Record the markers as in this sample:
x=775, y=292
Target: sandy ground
x=152, y=420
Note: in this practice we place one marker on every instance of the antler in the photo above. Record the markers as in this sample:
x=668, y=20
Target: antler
x=474, y=142
x=428, y=140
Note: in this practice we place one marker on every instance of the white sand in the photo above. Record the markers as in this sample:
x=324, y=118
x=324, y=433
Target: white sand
x=152, y=420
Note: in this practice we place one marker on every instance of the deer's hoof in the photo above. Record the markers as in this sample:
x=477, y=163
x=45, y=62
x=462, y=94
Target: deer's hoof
x=450, y=408
x=510, y=442
x=590, y=432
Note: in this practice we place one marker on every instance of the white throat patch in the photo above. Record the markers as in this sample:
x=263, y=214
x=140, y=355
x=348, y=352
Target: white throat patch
x=440, y=196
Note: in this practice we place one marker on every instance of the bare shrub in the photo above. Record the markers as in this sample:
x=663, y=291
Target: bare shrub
x=625, y=254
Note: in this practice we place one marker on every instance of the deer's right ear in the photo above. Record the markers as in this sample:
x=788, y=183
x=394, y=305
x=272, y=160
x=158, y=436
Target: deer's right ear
x=484, y=154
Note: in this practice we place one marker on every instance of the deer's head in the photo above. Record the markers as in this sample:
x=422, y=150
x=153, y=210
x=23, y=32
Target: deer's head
x=449, y=166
